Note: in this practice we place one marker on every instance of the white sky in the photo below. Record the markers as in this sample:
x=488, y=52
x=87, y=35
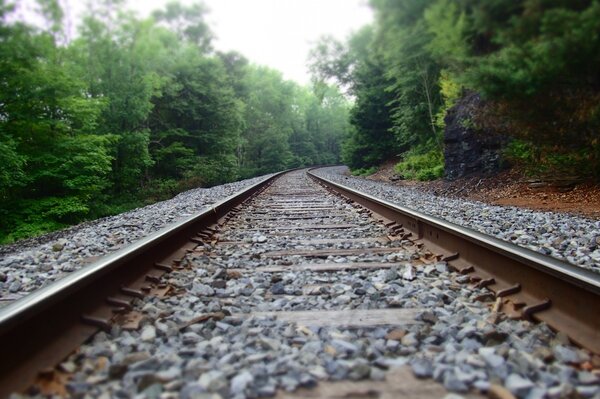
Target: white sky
x=276, y=33
x=280, y=33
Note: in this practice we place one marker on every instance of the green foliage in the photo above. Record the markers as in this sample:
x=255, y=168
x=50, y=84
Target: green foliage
x=188, y=22
x=412, y=72
x=535, y=63
x=137, y=110
x=393, y=78
x=212, y=171
x=364, y=171
x=132, y=160
x=419, y=165
x=447, y=24
x=26, y=228
x=11, y=168
x=450, y=90
x=518, y=151
x=174, y=159
x=537, y=46
x=537, y=161
x=35, y=217
x=156, y=190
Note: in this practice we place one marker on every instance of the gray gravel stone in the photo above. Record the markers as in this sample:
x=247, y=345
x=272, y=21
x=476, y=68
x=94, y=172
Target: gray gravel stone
x=15, y=286
x=422, y=368
x=202, y=290
x=213, y=380
x=491, y=358
x=240, y=382
x=278, y=288
x=518, y=385
x=410, y=340
x=565, y=354
x=452, y=383
x=344, y=346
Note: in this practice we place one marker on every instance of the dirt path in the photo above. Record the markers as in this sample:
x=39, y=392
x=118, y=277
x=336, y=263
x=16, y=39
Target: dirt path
x=510, y=188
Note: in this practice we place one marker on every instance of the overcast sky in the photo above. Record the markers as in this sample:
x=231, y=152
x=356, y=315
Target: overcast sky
x=277, y=33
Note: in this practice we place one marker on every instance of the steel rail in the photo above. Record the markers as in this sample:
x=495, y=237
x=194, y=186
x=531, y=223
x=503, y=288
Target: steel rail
x=527, y=284
x=41, y=329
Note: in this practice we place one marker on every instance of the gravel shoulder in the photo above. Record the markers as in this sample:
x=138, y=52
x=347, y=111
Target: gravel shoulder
x=569, y=238
x=31, y=264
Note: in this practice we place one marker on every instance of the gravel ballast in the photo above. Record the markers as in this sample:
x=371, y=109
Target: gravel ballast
x=32, y=264
x=572, y=239
x=216, y=337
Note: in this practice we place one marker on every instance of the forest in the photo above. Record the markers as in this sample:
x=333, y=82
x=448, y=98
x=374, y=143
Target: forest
x=536, y=64
x=132, y=111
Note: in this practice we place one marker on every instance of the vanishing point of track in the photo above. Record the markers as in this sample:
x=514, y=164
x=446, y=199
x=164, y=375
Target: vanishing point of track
x=292, y=211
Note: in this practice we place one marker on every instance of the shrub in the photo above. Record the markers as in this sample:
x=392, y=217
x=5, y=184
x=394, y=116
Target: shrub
x=418, y=165
x=364, y=171
x=539, y=160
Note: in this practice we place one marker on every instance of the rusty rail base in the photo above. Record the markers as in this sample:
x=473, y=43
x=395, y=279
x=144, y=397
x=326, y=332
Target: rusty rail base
x=531, y=285
x=40, y=330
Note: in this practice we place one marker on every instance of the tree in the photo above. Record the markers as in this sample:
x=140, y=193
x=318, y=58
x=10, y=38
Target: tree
x=536, y=63
x=197, y=118
x=188, y=22
x=268, y=113
x=47, y=127
x=359, y=69
x=136, y=110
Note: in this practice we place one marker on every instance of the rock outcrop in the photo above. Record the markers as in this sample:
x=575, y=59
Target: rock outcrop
x=467, y=150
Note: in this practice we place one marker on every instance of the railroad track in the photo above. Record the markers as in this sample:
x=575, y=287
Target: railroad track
x=280, y=286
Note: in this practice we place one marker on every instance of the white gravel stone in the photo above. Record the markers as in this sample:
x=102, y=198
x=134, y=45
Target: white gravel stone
x=148, y=334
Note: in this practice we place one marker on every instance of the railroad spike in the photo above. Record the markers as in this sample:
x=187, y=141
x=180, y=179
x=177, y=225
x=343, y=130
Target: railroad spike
x=152, y=278
x=450, y=257
x=509, y=291
x=529, y=311
x=132, y=292
x=488, y=296
x=485, y=283
x=163, y=267
x=119, y=302
x=99, y=322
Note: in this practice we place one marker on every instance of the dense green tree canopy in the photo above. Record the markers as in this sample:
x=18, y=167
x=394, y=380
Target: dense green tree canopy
x=535, y=62
x=135, y=110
